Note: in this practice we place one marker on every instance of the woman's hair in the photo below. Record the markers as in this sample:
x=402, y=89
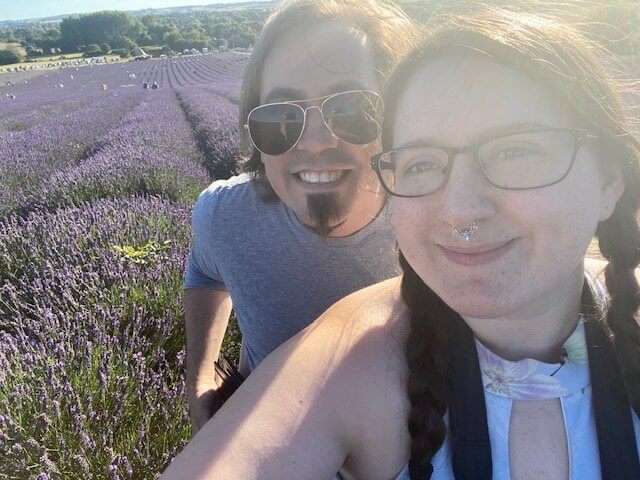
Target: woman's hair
x=388, y=30
x=557, y=56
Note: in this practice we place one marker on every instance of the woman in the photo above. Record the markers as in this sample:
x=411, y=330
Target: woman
x=504, y=151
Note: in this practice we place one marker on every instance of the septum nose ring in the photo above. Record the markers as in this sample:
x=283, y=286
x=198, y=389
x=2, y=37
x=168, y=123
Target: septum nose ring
x=466, y=232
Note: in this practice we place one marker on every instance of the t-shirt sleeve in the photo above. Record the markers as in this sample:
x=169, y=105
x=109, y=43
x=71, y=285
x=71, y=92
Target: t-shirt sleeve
x=201, y=266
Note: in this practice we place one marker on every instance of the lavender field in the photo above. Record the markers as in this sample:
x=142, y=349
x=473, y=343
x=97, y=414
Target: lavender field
x=98, y=177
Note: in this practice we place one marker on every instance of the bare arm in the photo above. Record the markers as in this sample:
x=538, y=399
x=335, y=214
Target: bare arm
x=326, y=398
x=285, y=421
x=206, y=316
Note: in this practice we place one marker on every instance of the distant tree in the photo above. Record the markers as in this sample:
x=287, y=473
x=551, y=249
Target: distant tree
x=110, y=27
x=105, y=48
x=145, y=40
x=221, y=42
x=33, y=51
x=92, y=50
x=122, y=52
x=7, y=57
x=49, y=39
x=196, y=37
x=174, y=39
x=124, y=42
x=157, y=27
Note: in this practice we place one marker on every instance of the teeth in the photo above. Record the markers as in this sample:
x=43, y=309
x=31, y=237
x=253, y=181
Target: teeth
x=320, y=177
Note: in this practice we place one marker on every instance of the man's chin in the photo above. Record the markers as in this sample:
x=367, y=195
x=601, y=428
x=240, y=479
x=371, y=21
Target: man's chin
x=325, y=213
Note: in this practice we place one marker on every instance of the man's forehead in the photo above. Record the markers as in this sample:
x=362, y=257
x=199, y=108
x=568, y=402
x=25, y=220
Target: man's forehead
x=317, y=61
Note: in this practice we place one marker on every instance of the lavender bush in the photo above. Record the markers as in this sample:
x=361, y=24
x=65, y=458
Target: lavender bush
x=92, y=339
x=152, y=150
x=214, y=121
x=92, y=263
x=30, y=156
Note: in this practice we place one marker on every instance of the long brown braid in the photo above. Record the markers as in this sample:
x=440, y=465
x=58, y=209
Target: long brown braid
x=427, y=357
x=559, y=57
x=619, y=239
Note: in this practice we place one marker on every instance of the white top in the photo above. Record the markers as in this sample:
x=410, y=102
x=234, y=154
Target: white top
x=505, y=381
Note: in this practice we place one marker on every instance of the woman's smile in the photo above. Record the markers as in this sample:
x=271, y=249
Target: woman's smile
x=475, y=255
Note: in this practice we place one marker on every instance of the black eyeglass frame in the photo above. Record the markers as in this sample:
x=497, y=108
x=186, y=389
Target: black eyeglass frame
x=580, y=137
x=304, y=116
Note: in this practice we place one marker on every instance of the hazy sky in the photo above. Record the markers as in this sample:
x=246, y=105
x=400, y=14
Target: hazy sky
x=21, y=9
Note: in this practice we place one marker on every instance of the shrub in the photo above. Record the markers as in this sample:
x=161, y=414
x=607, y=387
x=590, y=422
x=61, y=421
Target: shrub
x=122, y=52
x=7, y=57
x=93, y=48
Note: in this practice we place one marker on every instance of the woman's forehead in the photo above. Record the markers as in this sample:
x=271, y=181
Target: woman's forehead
x=460, y=98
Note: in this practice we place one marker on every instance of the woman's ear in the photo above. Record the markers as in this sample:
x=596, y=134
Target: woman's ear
x=612, y=189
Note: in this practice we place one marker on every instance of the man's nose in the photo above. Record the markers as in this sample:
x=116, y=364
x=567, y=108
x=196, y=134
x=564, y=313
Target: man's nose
x=468, y=196
x=316, y=136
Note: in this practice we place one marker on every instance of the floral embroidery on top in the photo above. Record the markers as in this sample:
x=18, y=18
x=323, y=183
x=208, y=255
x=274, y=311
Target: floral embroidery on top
x=531, y=379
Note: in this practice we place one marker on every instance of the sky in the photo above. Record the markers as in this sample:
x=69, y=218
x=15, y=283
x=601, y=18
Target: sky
x=23, y=9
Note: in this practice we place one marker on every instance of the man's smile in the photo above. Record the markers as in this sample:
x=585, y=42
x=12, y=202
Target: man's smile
x=325, y=176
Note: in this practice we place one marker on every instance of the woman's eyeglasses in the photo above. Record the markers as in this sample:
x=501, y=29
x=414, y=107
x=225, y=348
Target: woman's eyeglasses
x=522, y=160
x=353, y=116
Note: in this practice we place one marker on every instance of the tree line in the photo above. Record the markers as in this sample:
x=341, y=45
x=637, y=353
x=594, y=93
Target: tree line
x=615, y=23
x=123, y=33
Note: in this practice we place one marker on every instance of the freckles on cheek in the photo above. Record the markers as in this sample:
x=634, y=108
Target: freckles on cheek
x=561, y=234
x=408, y=220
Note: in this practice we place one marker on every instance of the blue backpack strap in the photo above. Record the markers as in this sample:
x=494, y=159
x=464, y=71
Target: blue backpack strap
x=468, y=427
x=469, y=439
x=614, y=423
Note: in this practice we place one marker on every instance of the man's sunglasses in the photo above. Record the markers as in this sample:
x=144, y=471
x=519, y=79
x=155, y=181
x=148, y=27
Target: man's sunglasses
x=353, y=116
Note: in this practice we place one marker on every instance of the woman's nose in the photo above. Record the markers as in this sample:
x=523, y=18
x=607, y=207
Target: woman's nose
x=467, y=196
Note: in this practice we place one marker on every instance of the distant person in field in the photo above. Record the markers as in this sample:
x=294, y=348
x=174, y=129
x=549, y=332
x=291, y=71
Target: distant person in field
x=305, y=224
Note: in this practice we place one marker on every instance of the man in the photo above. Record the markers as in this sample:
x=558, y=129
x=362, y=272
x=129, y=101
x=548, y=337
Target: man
x=304, y=228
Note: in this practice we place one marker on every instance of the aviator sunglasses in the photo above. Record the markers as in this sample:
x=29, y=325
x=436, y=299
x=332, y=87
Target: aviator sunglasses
x=353, y=116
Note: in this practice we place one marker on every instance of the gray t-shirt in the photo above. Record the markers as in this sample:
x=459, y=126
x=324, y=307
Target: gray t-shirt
x=280, y=275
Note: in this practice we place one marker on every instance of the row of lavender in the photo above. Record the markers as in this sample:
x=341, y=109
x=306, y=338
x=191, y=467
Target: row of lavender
x=211, y=69
x=94, y=235
x=31, y=155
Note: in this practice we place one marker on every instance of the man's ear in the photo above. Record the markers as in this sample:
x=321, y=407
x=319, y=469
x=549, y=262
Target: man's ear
x=612, y=189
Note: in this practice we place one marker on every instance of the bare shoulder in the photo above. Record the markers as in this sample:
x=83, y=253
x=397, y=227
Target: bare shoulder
x=356, y=334
x=372, y=327
x=345, y=347
x=367, y=330
x=369, y=327
x=375, y=306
